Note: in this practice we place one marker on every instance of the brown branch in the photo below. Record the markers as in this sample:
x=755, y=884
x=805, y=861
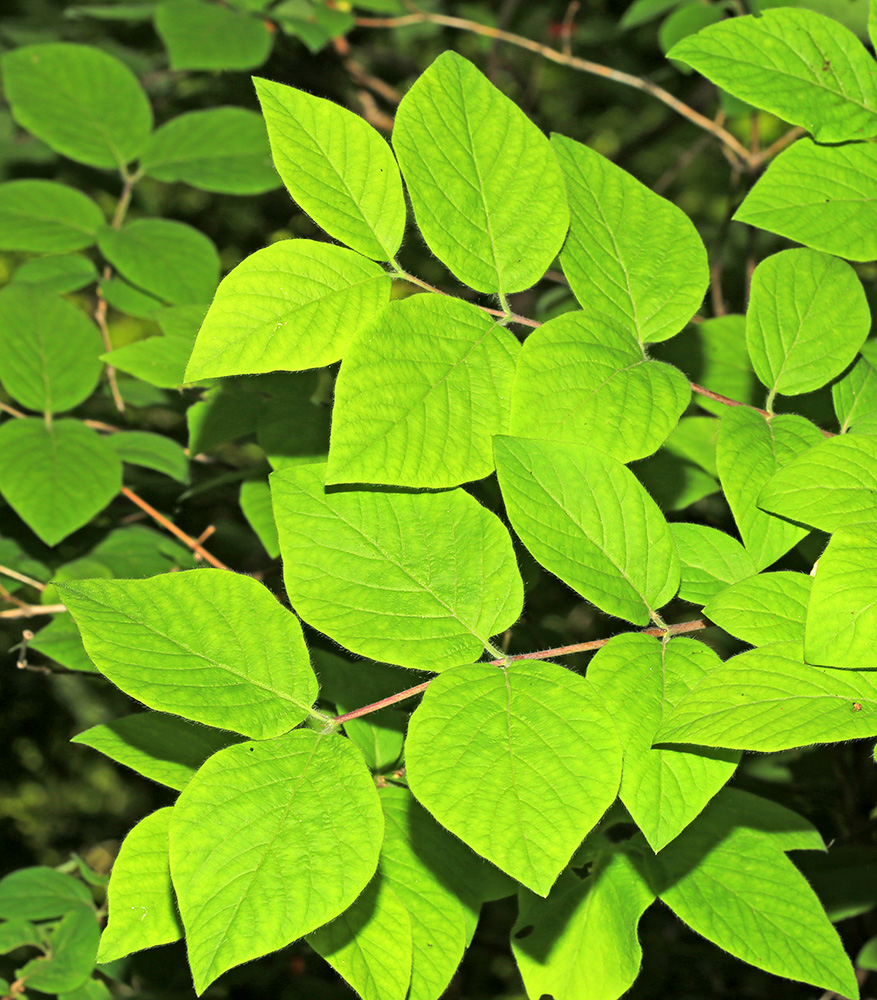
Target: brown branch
x=544, y=654
x=6, y=408
x=780, y=144
x=173, y=529
x=735, y=149
x=719, y=398
x=15, y=575
x=33, y=610
x=510, y=316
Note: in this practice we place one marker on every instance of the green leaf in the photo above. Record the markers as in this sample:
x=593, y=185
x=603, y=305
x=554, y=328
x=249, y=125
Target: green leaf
x=483, y=727
x=303, y=401
x=799, y=65
x=162, y=747
x=842, y=614
x=152, y=451
x=694, y=439
x=124, y=297
x=441, y=884
x=641, y=679
x=221, y=149
x=767, y=608
x=17, y=934
x=822, y=196
x=855, y=399
x=422, y=580
x=56, y=478
x=713, y=353
x=643, y=11
x=630, y=254
x=423, y=389
x=672, y=482
x=208, y=36
x=585, y=517
x=168, y=259
x=79, y=100
x=487, y=192
x=687, y=19
x=50, y=350
x=160, y=361
x=224, y=413
x=369, y=944
x=734, y=886
x=779, y=702
x=581, y=941
x=337, y=167
x=293, y=305
x=56, y=274
x=61, y=642
x=711, y=561
x=46, y=217
x=210, y=645
x=40, y=894
x=750, y=450
x=74, y=945
x=827, y=486
x=142, y=912
x=582, y=377
x=255, y=817
x=255, y=500
x=807, y=319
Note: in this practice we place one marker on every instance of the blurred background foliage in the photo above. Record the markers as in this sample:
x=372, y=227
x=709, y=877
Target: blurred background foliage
x=57, y=798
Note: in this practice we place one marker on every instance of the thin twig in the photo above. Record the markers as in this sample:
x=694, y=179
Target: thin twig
x=33, y=610
x=173, y=529
x=730, y=143
x=511, y=317
x=29, y=580
x=544, y=654
x=777, y=147
x=719, y=398
x=566, y=28
x=6, y=408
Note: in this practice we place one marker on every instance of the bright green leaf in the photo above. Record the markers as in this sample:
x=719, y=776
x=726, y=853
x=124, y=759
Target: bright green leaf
x=828, y=486
x=61, y=642
x=585, y=517
x=487, y=192
x=142, y=912
x=750, y=450
x=630, y=254
x=480, y=757
x=81, y=101
x=220, y=149
x=855, y=399
x=369, y=944
x=56, y=477
x=46, y=217
x=163, y=747
x=422, y=391
x=822, y=196
x=256, y=817
x=807, y=319
x=734, y=886
x=582, y=377
x=842, y=614
x=210, y=645
x=49, y=350
x=255, y=500
x=41, y=893
x=797, y=64
x=210, y=36
x=168, y=259
x=152, y=451
x=770, y=607
x=711, y=561
x=640, y=679
x=422, y=580
x=769, y=699
x=293, y=305
x=337, y=167
x=581, y=941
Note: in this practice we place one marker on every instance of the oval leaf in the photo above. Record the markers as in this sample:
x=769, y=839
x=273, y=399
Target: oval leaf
x=259, y=816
